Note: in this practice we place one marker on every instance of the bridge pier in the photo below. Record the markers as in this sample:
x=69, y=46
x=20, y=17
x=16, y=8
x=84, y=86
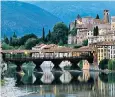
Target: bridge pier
x=56, y=65
x=75, y=65
x=57, y=78
x=38, y=63
x=38, y=78
x=18, y=81
x=19, y=66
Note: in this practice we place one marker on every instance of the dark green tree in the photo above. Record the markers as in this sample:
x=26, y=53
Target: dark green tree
x=48, y=37
x=60, y=43
x=111, y=65
x=97, y=31
x=31, y=42
x=43, y=34
x=24, y=38
x=81, y=64
x=14, y=35
x=60, y=33
x=94, y=31
x=6, y=40
x=97, y=17
x=85, y=42
x=15, y=41
x=103, y=77
x=10, y=42
x=103, y=64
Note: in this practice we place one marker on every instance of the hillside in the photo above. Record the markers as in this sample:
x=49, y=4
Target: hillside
x=25, y=18
x=68, y=10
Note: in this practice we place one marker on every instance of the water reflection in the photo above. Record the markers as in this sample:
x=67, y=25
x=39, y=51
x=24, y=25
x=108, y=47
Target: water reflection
x=47, y=77
x=63, y=84
x=47, y=66
x=65, y=77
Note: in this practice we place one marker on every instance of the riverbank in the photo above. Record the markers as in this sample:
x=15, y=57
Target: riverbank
x=8, y=89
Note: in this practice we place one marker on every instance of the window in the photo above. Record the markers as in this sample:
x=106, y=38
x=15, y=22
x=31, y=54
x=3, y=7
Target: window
x=101, y=50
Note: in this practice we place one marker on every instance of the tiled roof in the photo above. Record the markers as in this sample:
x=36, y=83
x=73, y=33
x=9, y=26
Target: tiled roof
x=84, y=48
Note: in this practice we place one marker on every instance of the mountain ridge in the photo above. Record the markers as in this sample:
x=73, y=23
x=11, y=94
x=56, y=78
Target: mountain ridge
x=67, y=11
x=24, y=18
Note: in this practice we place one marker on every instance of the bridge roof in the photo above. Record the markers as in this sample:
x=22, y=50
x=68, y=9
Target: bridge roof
x=84, y=49
x=52, y=50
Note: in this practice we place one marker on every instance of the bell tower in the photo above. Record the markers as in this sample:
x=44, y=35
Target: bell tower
x=106, y=16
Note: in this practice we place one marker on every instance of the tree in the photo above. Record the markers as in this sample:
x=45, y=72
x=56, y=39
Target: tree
x=81, y=64
x=77, y=46
x=48, y=37
x=15, y=41
x=22, y=47
x=96, y=31
x=60, y=33
x=6, y=46
x=97, y=17
x=103, y=77
x=10, y=41
x=103, y=64
x=43, y=34
x=111, y=65
x=31, y=42
x=14, y=35
x=85, y=42
x=24, y=38
x=6, y=40
x=73, y=31
x=60, y=43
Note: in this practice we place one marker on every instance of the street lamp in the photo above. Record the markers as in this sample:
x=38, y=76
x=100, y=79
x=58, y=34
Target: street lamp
x=25, y=52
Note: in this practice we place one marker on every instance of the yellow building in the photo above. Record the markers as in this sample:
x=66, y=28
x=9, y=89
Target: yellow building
x=102, y=52
x=105, y=50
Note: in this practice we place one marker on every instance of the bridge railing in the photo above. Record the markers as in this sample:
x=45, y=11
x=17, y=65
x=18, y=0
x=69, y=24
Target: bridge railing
x=21, y=56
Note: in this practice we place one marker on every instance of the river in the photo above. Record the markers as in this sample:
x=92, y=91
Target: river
x=66, y=83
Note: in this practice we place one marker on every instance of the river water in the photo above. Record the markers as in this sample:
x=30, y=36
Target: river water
x=65, y=83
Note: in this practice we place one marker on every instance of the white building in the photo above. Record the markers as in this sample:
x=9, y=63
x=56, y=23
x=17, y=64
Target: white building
x=111, y=50
x=106, y=50
x=81, y=35
x=113, y=23
x=104, y=35
x=89, y=33
x=72, y=39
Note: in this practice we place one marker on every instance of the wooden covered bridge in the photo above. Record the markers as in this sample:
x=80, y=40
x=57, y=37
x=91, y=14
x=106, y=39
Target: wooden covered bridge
x=55, y=55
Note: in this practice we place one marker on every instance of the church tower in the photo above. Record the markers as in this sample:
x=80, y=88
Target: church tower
x=106, y=16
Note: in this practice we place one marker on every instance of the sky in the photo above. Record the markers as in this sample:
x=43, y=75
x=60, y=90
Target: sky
x=57, y=0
